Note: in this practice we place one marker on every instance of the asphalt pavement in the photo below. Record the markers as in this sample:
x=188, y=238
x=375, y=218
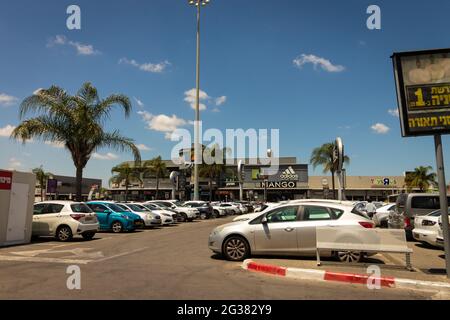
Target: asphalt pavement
x=166, y=263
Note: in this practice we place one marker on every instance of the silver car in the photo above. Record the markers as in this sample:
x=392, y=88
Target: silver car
x=288, y=229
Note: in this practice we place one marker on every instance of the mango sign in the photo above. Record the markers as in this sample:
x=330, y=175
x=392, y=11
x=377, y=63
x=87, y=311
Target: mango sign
x=5, y=180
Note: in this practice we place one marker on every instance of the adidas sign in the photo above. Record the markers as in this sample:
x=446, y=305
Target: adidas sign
x=289, y=174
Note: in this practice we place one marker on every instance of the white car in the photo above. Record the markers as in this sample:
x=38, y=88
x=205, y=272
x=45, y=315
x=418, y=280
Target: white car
x=63, y=220
x=230, y=206
x=291, y=229
x=426, y=228
x=186, y=213
x=161, y=211
x=151, y=219
x=219, y=211
x=243, y=209
x=381, y=216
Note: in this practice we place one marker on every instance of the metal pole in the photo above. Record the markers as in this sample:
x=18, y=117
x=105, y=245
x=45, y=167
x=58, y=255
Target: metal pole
x=339, y=176
x=241, y=191
x=443, y=199
x=197, y=112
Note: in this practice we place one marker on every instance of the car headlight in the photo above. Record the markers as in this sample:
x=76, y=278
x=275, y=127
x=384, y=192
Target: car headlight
x=149, y=216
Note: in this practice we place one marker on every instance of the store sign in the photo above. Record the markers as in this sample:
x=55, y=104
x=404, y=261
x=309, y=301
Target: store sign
x=279, y=184
x=383, y=182
x=423, y=91
x=5, y=180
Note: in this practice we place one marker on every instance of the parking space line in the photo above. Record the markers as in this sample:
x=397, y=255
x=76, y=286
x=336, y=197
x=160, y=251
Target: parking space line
x=120, y=254
x=43, y=260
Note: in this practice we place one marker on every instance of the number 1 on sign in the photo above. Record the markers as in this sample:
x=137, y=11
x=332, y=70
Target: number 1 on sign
x=419, y=95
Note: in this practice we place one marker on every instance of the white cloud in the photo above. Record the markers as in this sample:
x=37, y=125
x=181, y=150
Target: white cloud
x=317, y=61
x=82, y=49
x=221, y=100
x=7, y=100
x=147, y=67
x=6, y=131
x=162, y=122
x=394, y=112
x=55, y=144
x=190, y=97
x=139, y=102
x=14, y=164
x=108, y=156
x=215, y=110
x=143, y=147
x=380, y=128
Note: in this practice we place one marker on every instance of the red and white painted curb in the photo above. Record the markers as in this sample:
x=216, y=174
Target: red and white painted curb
x=352, y=278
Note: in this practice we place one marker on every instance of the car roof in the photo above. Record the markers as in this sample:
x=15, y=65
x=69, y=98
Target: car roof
x=62, y=202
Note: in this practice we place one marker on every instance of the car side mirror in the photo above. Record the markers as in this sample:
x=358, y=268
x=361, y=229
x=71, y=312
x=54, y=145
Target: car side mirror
x=264, y=220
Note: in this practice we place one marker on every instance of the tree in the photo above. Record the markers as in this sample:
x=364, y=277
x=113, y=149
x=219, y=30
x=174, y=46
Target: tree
x=41, y=177
x=421, y=178
x=75, y=121
x=157, y=167
x=323, y=156
x=125, y=173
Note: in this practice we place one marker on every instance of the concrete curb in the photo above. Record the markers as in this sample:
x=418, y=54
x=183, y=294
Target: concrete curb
x=352, y=278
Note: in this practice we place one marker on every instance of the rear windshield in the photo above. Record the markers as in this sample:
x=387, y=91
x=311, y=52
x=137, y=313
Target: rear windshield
x=80, y=208
x=425, y=203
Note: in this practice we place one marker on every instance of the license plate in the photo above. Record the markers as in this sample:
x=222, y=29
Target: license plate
x=89, y=218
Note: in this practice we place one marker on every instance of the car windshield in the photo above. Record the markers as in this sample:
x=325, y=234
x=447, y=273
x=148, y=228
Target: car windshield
x=137, y=208
x=114, y=207
x=123, y=207
x=80, y=208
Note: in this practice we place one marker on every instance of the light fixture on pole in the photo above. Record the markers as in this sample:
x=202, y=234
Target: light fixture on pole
x=197, y=150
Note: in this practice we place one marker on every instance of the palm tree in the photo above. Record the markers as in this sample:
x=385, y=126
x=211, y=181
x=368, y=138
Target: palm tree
x=157, y=167
x=41, y=177
x=125, y=173
x=421, y=178
x=75, y=121
x=213, y=169
x=323, y=156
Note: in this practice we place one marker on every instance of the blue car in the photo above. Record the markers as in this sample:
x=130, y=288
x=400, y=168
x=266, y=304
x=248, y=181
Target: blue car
x=113, y=218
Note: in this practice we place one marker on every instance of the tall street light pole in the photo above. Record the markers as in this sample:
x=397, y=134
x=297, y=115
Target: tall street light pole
x=197, y=149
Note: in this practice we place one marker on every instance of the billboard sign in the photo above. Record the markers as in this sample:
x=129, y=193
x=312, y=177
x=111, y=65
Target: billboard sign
x=423, y=91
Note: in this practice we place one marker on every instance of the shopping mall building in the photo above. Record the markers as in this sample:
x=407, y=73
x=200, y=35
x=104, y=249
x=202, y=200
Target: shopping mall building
x=290, y=181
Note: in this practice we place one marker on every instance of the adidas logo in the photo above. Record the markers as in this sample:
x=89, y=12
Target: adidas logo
x=289, y=174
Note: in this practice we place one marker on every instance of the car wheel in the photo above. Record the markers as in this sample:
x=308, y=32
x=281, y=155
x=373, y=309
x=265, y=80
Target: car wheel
x=88, y=235
x=236, y=248
x=183, y=217
x=117, y=227
x=215, y=214
x=203, y=216
x=349, y=256
x=64, y=234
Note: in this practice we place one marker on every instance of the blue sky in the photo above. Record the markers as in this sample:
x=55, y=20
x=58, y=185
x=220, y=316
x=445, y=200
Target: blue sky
x=146, y=50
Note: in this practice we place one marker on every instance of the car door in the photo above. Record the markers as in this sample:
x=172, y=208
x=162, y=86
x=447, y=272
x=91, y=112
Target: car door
x=312, y=217
x=49, y=221
x=38, y=211
x=102, y=215
x=278, y=234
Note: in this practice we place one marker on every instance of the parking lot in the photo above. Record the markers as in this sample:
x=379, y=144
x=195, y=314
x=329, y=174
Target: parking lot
x=172, y=262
